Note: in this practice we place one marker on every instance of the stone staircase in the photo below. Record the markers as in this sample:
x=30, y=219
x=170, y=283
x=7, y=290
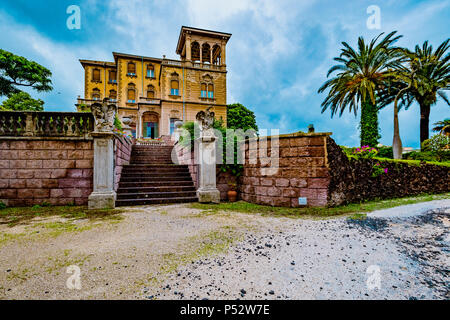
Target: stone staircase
x=152, y=178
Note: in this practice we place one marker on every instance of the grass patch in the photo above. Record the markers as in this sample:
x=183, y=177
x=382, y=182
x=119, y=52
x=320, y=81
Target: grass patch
x=15, y=215
x=245, y=207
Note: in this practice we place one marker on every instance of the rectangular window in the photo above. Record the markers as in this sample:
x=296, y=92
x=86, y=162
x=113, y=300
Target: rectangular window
x=174, y=88
x=96, y=75
x=112, y=77
x=203, y=94
x=150, y=73
x=210, y=94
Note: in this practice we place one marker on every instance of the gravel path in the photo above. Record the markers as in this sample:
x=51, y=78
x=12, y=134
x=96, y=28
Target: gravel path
x=331, y=259
x=176, y=252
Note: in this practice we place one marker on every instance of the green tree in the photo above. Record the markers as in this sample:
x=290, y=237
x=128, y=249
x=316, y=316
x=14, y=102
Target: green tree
x=361, y=73
x=240, y=117
x=17, y=71
x=427, y=76
x=22, y=101
x=442, y=126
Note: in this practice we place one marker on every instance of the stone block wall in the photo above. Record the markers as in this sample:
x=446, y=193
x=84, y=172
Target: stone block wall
x=54, y=170
x=185, y=155
x=122, y=155
x=302, y=172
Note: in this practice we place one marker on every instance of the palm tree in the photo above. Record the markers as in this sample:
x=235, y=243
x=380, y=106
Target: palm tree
x=431, y=78
x=442, y=126
x=361, y=73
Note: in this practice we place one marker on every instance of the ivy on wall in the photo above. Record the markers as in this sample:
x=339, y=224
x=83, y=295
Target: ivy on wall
x=369, y=124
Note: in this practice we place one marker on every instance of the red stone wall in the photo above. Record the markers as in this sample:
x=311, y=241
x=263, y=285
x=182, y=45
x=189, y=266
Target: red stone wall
x=302, y=172
x=122, y=151
x=186, y=156
x=55, y=171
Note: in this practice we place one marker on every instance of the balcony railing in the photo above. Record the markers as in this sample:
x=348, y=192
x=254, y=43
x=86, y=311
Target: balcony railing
x=146, y=100
x=45, y=124
x=194, y=64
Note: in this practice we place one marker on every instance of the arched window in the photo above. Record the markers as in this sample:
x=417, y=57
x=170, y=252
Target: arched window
x=131, y=93
x=174, y=85
x=150, y=92
x=113, y=95
x=210, y=91
x=203, y=93
x=150, y=71
x=96, y=75
x=195, y=51
x=206, y=54
x=216, y=56
x=96, y=94
x=131, y=69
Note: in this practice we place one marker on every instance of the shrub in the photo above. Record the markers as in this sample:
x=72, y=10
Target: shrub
x=2, y=205
x=385, y=152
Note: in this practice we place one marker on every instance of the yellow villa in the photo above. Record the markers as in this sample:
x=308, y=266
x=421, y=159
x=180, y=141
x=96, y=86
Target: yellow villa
x=156, y=92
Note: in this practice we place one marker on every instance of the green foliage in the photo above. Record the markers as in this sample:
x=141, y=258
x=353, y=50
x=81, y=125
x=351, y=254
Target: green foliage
x=437, y=148
x=17, y=71
x=385, y=152
x=360, y=75
x=436, y=143
x=84, y=108
x=443, y=125
x=2, y=205
x=22, y=101
x=240, y=117
x=118, y=123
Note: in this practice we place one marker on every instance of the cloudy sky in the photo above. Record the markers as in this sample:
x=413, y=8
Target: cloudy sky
x=277, y=57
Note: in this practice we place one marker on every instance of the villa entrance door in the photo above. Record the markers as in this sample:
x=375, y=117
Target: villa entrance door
x=151, y=130
x=150, y=125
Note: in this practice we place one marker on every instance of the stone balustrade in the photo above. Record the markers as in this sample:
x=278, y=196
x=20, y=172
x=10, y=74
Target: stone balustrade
x=45, y=124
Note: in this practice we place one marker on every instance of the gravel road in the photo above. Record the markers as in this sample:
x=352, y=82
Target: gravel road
x=330, y=259
x=177, y=252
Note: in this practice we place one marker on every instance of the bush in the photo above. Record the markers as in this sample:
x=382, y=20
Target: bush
x=385, y=152
x=2, y=205
x=441, y=156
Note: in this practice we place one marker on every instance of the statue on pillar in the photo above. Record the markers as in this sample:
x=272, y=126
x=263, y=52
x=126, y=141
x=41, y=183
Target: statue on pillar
x=207, y=191
x=104, y=114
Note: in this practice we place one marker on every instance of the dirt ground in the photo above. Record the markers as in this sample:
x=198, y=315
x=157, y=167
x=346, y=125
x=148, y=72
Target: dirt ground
x=177, y=252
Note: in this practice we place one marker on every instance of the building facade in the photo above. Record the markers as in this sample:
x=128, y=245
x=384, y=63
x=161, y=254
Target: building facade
x=156, y=92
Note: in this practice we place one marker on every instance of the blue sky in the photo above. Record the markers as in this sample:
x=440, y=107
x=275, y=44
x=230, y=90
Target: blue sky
x=277, y=57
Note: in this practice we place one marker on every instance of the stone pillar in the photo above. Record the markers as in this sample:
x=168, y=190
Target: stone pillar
x=188, y=48
x=103, y=195
x=207, y=191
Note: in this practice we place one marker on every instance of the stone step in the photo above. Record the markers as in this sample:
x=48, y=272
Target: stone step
x=146, y=184
x=135, y=202
x=155, y=174
x=163, y=188
x=154, y=169
x=156, y=195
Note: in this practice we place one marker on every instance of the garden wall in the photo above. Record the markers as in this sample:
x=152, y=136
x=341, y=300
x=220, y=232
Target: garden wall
x=302, y=172
x=53, y=170
x=352, y=181
x=122, y=155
